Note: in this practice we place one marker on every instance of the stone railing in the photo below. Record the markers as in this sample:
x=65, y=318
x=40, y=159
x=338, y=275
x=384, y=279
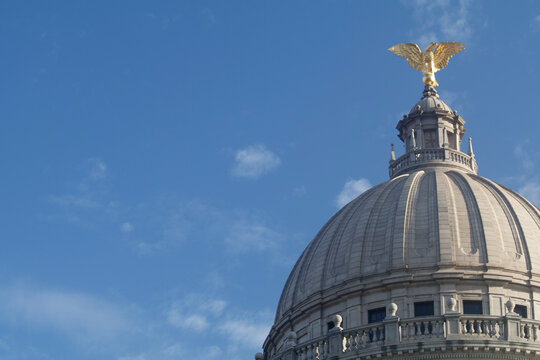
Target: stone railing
x=421, y=156
x=449, y=329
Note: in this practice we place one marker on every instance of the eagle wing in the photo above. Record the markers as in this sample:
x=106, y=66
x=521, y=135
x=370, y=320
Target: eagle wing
x=444, y=51
x=411, y=52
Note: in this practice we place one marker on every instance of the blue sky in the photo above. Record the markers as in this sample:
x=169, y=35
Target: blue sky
x=165, y=163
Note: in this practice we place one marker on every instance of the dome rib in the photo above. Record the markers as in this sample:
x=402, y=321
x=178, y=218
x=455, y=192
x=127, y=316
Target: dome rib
x=477, y=238
x=517, y=232
x=408, y=235
x=356, y=246
x=370, y=236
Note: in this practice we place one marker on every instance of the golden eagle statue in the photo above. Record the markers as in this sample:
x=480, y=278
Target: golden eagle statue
x=430, y=61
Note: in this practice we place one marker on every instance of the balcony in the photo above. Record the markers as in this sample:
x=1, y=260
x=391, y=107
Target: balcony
x=417, y=157
x=396, y=337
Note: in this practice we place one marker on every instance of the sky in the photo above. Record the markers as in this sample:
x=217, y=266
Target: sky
x=166, y=162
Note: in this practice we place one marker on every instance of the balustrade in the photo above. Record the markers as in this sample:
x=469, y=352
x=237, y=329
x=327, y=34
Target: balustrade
x=418, y=156
x=422, y=329
x=363, y=337
x=487, y=327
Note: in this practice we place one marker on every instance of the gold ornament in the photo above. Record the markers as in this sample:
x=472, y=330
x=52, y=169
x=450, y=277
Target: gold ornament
x=430, y=61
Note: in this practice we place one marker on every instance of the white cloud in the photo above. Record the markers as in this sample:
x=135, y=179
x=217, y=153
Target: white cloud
x=78, y=315
x=175, y=350
x=97, y=169
x=254, y=162
x=531, y=191
x=215, y=306
x=442, y=19
x=126, y=227
x=86, y=191
x=247, y=234
x=194, y=312
x=250, y=330
x=527, y=157
x=351, y=190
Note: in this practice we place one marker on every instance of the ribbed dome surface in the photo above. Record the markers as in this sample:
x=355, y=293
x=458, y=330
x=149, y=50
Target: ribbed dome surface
x=429, y=219
x=429, y=104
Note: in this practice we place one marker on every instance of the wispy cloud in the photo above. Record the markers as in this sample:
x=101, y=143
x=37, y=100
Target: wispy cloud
x=195, y=312
x=351, y=190
x=253, y=162
x=531, y=191
x=250, y=233
x=247, y=330
x=201, y=313
x=97, y=169
x=234, y=232
x=87, y=190
x=529, y=180
x=86, y=318
x=535, y=22
x=126, y=227
x=442, y=20
x=526, y=156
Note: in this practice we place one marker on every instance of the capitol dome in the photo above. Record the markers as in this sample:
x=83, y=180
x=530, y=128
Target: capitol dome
x=423, y=223
x=436, y=258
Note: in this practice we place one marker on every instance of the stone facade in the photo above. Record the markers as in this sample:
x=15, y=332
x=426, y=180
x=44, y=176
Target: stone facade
x=436, y=263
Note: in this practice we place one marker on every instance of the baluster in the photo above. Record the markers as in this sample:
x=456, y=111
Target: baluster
x=522, y=330
x=534, y=332
x=347, y=341
x=303, y=353
x=412, y=330
x=490, y=329
x=404, y=331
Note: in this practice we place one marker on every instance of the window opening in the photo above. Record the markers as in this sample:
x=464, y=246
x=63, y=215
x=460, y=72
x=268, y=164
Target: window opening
x=521, y=310
x=472, y=307
x=376, y=315
x=424, y=308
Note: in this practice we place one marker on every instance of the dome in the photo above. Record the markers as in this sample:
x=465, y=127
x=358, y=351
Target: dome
x=421, y=223
x=435, y=260
x=430, y=104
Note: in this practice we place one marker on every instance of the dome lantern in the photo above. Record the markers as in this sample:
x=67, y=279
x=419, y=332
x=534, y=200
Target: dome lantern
x=431, y=133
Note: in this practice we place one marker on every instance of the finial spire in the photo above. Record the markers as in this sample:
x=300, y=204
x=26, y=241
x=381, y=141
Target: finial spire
x=392, y=153
x=429, y=91
x=470, y=152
